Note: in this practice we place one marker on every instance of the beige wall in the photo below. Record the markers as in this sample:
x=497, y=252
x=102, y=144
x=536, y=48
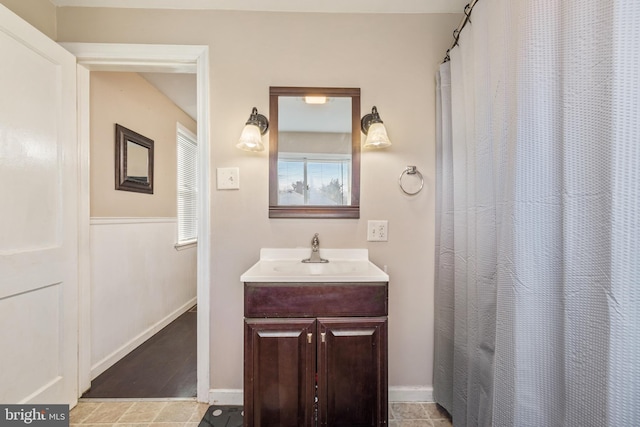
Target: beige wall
x=39, y=13
x=392, y=58
x=129, y=100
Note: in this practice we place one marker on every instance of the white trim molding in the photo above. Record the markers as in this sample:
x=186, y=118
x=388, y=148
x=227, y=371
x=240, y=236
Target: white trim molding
x=84, y=239
x=132, y=220
x=224, y=396
x=186, y=245
x=410, y=394
x=139, y=58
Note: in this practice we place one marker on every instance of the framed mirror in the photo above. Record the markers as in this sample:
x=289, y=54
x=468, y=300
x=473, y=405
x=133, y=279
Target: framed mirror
x=134, y=161
x=314, y=152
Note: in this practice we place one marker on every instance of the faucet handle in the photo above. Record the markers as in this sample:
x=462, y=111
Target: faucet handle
x=315, y=251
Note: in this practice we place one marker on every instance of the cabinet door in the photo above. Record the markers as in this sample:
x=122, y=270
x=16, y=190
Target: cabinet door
x=279, y=372
x=352, y=372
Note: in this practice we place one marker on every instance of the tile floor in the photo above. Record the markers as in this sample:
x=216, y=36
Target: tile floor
x=417, y=414
x=187, y=413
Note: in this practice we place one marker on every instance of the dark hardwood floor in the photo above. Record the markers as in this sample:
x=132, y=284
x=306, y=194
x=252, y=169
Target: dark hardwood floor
x=163, y=366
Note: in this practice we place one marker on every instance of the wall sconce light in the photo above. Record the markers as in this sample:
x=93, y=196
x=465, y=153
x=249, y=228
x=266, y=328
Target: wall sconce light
x=373, y=127
x=251, y=136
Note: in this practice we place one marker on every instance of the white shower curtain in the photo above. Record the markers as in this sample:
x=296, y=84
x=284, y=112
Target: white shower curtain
x=538, y=239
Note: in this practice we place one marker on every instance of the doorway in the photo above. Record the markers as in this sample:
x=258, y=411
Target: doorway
x=143, y=329
x=146, y=58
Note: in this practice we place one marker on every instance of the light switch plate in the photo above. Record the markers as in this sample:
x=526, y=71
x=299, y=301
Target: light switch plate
x=228, y=178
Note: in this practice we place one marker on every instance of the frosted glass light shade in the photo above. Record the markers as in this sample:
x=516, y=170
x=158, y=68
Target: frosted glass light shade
x=377, y=137
x=250, y=139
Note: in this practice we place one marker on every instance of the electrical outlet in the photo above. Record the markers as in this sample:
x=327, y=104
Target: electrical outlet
x=377, y=230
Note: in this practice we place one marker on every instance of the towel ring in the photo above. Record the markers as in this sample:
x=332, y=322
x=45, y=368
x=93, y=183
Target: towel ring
x=411, y=170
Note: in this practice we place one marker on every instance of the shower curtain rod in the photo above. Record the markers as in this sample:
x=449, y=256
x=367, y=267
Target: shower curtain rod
x=456, y=33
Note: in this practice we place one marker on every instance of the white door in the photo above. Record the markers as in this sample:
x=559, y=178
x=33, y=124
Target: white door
x=38, y=217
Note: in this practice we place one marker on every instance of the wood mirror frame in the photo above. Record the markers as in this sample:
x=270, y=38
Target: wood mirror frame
x=126, y=164
x=351, y=210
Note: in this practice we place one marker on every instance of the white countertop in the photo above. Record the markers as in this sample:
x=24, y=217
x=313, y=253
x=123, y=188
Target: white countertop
x=285, y=265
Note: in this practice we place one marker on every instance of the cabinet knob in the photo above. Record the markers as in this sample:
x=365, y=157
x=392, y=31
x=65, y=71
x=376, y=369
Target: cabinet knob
x=309, y=338
x=323, y=336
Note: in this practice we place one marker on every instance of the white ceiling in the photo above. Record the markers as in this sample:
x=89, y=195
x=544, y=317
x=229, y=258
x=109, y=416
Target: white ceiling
x=328, y=6
x=179, y=88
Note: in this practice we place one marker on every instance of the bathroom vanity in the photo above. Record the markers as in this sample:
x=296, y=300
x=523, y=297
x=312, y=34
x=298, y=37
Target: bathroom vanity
x=315, y=340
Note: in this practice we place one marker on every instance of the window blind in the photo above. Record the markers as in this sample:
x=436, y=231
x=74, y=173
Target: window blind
x=187, y=186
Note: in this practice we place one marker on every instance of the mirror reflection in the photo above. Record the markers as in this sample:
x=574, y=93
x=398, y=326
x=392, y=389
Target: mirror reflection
x=314, y=152
x=137, y=162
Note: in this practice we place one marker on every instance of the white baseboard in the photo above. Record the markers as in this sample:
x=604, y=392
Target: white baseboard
x=396, y=394
x=127, y=348
x=410, y=394
x=226, y=396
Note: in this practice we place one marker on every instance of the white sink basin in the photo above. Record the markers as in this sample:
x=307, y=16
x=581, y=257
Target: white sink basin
x=285, y=265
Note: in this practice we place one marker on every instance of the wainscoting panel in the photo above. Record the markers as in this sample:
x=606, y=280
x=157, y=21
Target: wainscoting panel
x=139, y=283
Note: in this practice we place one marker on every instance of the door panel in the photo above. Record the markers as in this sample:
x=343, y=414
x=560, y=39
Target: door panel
x=352, y=372
x=280, y=372
x=30, y=150
x=38, y=231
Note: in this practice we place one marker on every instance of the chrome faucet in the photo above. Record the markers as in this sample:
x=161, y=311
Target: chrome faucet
x=315, y=251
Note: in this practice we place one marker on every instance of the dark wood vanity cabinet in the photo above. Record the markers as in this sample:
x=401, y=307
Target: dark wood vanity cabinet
x=279, y=382
x=352, y=372
x=316, y=364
